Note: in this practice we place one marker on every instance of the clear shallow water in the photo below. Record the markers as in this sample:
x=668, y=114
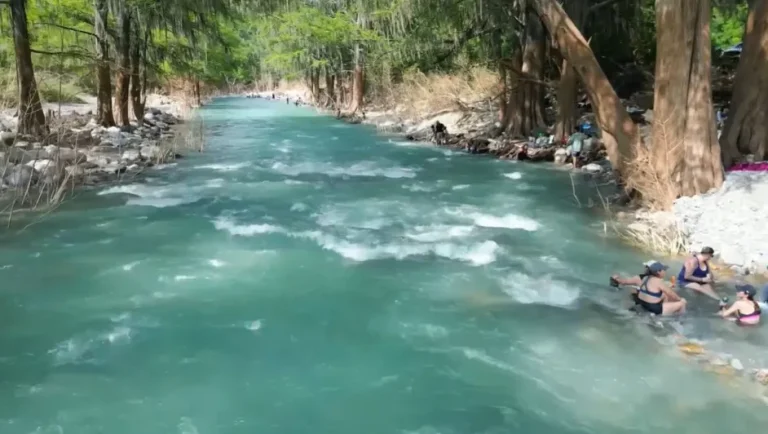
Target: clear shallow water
x=308, y=276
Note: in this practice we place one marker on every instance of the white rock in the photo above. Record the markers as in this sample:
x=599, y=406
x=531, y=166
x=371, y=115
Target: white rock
x=7, y=137
x=730, y=220
x=133, y=167
x=152, y=152
x=19, y=176
x=40, y=165
x=131, y=155
x=736, y=364
x=592, y=168
x=113, y=131
x=99, y=160
x=75, y=170
x=21, y=144
x=97, y=132
x=149, y=116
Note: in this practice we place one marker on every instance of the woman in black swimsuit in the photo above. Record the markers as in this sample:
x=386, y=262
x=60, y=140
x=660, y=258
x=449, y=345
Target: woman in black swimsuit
x=653, y=294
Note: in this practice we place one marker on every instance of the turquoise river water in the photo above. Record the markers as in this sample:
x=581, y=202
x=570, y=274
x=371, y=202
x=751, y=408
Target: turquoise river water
x=308, y=276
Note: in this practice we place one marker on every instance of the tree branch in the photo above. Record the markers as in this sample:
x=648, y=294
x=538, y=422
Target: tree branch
x=62, y=53
x=72, y=29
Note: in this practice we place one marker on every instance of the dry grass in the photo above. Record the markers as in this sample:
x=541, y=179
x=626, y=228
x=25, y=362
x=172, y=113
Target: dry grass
x=419, y=94
x=667, y=239
x=649, y=175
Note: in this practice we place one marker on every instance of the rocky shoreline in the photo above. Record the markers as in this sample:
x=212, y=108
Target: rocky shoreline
x=38, y=172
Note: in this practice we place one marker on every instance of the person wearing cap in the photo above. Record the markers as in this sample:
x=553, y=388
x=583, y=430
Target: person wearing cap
x=653, y=294
x=745, y=310
x=697, y=275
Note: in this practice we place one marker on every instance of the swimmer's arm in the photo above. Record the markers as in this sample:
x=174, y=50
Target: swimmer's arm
x=634, y=280
x=725, y=313
x=670, y=293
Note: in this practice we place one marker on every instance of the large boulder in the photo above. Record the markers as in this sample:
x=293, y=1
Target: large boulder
x=100, y=159
x=19, y=176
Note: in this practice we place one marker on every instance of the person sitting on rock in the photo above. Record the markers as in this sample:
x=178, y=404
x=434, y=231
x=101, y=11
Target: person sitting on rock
x=697, y=275
x=439, y=131
x=653, y=294
x=745, y=310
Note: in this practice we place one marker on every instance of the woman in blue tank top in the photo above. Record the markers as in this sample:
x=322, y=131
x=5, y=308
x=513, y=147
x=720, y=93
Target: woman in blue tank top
x=697, y=275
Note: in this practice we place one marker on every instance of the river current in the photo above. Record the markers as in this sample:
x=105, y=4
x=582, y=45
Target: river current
x=304, y=276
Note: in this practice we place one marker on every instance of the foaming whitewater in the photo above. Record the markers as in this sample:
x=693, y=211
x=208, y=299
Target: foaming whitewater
x=304, y=275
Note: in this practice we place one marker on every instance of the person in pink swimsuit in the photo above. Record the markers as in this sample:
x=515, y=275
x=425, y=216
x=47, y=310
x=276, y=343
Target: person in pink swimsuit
x=745, y=310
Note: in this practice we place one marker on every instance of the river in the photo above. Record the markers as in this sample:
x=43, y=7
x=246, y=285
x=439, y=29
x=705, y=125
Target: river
x=308, y=276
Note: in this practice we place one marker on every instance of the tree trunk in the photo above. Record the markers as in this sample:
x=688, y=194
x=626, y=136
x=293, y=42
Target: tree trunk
x=330, y=83
x=685, y=149
x=104, y=115
x=526, y=101
x=31, y=116
x=619, y=132
x=746, y=129
x=136, y=101
x=314, y=79
x=503, y=93
x=124, y=67
x=568, y=86
x=358, y=84
x=198, y=96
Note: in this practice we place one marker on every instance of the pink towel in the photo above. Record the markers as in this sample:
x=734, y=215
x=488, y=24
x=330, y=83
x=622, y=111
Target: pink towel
x=750, y=167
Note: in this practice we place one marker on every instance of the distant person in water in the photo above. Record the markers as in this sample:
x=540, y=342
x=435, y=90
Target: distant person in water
x=745, y=310
x=696, y=273
x=653, y=293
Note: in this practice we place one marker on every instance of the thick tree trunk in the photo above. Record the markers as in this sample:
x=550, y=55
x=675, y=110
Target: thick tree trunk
x=503, y=93
x=358, y=81
x=123, y=80
x=104, y=115
x=330, y=83
x=31, y=116
x=619, y=132
x=136, y=101
x=567, y=88
x=746, y=129
x=526, y=101
x=685, y=149
x=314, y=79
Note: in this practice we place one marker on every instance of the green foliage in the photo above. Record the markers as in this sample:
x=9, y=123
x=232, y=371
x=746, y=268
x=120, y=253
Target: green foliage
x=728, y=25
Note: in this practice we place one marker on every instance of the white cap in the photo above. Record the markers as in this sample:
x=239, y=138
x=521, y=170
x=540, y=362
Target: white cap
x=648, y=263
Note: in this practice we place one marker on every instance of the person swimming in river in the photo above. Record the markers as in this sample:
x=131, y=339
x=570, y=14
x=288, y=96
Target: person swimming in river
x=439, y=130
x=696, y=273
x=745, y=310
x=652, y=293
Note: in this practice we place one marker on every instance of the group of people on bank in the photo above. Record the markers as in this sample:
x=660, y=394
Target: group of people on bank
x=653, y=293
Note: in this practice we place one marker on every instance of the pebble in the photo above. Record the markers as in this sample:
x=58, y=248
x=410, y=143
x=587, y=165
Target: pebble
x=731, y=220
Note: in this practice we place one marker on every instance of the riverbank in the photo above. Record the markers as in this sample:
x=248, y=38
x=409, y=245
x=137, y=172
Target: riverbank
x=39, y=173
x=729, y=219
